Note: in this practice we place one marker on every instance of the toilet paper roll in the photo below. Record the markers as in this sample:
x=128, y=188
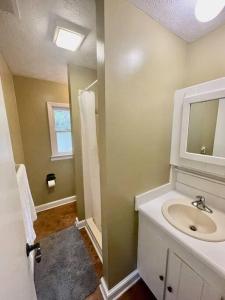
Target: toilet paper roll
x=51, y=183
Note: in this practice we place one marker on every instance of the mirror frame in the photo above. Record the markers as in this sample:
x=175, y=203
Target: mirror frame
x=202, y=97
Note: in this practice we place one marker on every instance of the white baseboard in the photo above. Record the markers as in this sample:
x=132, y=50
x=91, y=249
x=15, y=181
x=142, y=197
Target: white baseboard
x=83, y=224
x=56, y=203
x=121, y=287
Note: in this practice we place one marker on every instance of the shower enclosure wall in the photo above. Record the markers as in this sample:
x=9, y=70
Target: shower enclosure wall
x=90, y=162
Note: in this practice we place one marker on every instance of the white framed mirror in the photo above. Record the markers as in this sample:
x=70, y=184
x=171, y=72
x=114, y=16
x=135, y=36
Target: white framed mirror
x=203, y=128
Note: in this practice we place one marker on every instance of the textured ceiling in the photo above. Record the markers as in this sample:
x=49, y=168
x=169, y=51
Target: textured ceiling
x=26, y=42
x=178, y=16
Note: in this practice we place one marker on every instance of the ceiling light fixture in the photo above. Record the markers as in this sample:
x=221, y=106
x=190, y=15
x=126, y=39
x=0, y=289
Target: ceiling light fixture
x=68, y=39
x=207, y=10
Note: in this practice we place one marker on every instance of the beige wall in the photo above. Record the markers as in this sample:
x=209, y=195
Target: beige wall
x=32, y=96
x=144, y=65
x=11, y=110
x=206, y=59
x=79, y=78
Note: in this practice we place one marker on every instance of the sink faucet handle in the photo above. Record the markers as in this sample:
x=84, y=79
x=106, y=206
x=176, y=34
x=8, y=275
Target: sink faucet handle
x=200, y=203
x=200, y=197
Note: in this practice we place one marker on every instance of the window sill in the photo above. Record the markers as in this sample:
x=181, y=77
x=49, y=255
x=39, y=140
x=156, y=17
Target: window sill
x=61, y=157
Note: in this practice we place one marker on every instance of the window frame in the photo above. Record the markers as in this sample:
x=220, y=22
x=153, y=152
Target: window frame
x=53, y=139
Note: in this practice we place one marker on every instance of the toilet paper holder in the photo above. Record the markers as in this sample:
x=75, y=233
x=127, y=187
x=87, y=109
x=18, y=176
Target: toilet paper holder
x=50, y=177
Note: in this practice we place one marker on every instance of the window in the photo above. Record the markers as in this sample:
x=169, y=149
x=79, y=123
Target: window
x=60, y=130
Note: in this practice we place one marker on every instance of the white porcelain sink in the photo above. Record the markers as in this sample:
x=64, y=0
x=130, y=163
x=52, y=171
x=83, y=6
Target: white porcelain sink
x=195, y=222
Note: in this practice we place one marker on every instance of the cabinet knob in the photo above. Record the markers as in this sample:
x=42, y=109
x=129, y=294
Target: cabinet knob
x=170, y=289
x=161, y=277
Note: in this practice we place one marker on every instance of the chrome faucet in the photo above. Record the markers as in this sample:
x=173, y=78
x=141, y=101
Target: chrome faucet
x=200, y=204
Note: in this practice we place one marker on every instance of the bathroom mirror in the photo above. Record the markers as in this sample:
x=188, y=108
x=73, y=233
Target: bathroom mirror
x=206, y=130
x=203, y=128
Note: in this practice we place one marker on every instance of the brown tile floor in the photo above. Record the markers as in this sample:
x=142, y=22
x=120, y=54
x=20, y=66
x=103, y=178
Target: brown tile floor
x=61, y=217
x=55, y=219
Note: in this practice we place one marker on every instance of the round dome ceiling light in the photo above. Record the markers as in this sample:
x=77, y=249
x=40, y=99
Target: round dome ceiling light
x=207, y=10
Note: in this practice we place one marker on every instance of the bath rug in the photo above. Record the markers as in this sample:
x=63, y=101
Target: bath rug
x=65, y=271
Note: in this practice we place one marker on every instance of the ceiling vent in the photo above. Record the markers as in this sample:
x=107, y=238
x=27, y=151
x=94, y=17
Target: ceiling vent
x=10, y=6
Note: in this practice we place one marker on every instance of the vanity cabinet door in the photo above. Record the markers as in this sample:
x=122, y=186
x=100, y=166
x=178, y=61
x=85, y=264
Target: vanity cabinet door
x=182, y=282
x=210, y=293
x=152, y=257
x=173, y=276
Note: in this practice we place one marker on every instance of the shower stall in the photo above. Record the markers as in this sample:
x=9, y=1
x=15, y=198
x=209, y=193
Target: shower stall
x=90, y=163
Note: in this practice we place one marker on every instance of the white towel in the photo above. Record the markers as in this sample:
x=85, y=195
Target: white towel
x=27, y=203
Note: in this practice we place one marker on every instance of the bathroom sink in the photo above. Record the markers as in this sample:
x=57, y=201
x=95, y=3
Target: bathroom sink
x=195, y=222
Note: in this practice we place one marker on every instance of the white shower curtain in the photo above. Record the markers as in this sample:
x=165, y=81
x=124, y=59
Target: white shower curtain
x=91, y=172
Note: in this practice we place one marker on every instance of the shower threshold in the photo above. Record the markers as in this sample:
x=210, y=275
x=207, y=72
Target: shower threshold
x=95, y=235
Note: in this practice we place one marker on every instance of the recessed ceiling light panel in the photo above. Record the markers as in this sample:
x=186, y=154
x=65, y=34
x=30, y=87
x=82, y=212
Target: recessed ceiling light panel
x=68, y=39
x=207, y=10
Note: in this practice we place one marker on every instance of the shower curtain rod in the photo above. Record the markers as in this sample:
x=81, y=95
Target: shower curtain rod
x=91, y=85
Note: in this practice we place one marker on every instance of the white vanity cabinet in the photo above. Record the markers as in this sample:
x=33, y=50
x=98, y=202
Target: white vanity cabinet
x=167, y=274
x=152, y=259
